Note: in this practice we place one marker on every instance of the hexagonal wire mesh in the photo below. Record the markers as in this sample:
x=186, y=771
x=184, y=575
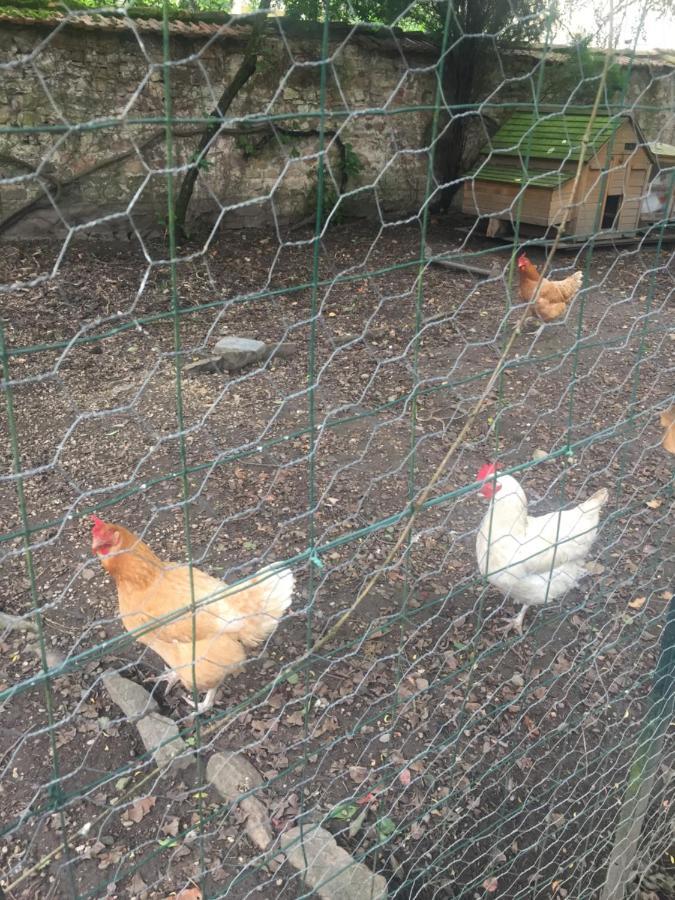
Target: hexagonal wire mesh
x=288, y=184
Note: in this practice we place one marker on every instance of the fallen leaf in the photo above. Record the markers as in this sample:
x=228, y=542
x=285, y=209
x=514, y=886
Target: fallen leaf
x=139, y=809
x=417, y=831
x=555, y=885
x=655, y=503
x=138, y=886
x=490, y=885
x=191, y=893
x=404, y=777
x=638, y=603
x=668, y=422
x=532, y=729
x=666, y=595
x=594, y=568
x=171, y=827
x=561, y=665
x=358, y=773
x=450, y=660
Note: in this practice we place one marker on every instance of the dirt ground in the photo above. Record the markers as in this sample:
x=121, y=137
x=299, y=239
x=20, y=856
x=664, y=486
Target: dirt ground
x=455, y=761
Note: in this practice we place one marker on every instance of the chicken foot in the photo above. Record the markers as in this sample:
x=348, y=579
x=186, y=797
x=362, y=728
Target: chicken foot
x=515, y=623
x=206, y=704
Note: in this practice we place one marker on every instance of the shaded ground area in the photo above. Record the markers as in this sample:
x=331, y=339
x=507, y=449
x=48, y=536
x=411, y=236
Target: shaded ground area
x=479, y=765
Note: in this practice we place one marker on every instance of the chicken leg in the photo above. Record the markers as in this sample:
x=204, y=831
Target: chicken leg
x=515, y=623
x=206, y=704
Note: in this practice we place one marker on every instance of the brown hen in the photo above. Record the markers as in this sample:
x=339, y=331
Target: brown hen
x=215, y=637
x=554, y=296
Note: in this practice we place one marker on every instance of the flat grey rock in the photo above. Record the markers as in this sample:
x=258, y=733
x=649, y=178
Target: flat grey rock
x=161, y=737
x=257, y=822
x=237, y=352
x=132, y=699
x=232, y=775
x=330, y=871
x=284, y=350
x=206, y=366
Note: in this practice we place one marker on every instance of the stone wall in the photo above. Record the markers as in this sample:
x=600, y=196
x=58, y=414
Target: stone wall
x=85, y=101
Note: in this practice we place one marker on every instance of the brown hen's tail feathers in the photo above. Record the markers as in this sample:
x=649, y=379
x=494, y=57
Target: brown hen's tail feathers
x=577, y=279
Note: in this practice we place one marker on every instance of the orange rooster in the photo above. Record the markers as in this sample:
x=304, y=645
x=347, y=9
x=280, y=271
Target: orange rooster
x=232, y=619
x=554, y=296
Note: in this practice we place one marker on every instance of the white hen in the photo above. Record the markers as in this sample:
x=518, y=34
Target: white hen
x=532, y=559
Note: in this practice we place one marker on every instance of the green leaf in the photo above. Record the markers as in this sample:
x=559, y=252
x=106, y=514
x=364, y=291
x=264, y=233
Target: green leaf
x=345, y=811
x=385, y=827
x=293, y=678
x=167, y=842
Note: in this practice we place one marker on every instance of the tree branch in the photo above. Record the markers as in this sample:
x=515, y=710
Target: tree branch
x=245, y=71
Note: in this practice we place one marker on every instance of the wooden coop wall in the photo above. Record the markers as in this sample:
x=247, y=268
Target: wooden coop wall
x=629, y=176
x=488, y=198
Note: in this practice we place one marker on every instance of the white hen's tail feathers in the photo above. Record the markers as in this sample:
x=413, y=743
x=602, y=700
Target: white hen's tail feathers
x=595, y=502
x=260, y=603
x=277, y=588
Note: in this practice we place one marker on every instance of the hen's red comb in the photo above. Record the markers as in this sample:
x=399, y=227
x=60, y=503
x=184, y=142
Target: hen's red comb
x=486, y=471
x=97, y=523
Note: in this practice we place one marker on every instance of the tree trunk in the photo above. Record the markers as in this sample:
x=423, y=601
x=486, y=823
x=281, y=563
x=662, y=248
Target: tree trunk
x=458, y=77
x=245, y=71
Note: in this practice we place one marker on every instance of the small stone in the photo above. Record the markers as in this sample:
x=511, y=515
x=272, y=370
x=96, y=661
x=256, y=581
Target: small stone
x=342, y=339
x=88, y=574
x=235, y=352
x=54, y=658
x=539, y=454
x=206, y=366
x=122, y=388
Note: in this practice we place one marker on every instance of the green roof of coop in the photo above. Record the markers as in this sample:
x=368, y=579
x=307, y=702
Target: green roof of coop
x=550, y=136
x=511, y=175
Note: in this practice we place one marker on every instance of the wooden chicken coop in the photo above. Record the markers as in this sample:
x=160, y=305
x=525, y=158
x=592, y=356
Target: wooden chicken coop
x=526, y=172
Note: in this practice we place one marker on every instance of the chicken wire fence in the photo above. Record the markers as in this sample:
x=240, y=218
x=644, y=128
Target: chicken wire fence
x=401, y=745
